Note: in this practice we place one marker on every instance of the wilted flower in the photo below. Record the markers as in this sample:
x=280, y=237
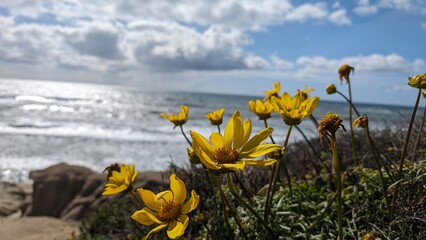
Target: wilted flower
x=178, y=119
x=121, y=181
x=215, y=117
x=331, y=89
x=305, y=92
x=344, y=72
x=233, y=151
x=262, y=109
x=329, y=125
x=274, y=92
x=417, y=81
x=167, y=208
x=361, y=122
x=293, y=110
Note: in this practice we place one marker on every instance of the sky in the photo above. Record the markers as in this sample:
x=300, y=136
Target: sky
x=222, y=46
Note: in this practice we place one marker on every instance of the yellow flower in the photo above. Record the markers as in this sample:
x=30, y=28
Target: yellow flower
x=344, y=72
x=331, y=89
x=293, y=110
x=234, y=150
x=305, y=92
x=361, y=122
x=216, y=116
x=417, y=81
x=120, y=181
x=274, y=92
x=178, y=119
x=368, y=236
x=167, y=208
x=192, y=156
x=262, y=109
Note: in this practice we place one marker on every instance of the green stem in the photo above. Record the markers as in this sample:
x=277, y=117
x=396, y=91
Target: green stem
x=218, y=128
x=137, y=198
x=339, y=186
x=322, y=215
x=404, y=150
x=349, y=101
x=183, y=133
x=235, y=194
x=354, y=153
x=246, y=192
x=419, y=135
x=209, y=231
x=274, y=177
x=314, y=120
x=266, y=126
x=312, y=148
x=225, y=212
x=379, y=166
x=231, y=208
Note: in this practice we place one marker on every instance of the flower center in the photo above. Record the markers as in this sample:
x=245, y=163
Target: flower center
x=225, y=155
x=168, y=211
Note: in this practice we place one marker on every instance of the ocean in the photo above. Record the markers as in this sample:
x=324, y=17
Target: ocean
x=45, y=123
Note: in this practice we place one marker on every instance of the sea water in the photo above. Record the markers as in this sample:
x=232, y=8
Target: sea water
x=45, y=123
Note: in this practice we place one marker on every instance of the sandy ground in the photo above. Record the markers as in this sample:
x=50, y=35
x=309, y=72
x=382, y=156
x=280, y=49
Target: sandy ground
x=37, y=228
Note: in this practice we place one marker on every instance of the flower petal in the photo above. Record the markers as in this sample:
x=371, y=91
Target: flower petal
x=238, y=132
x=206, y=160
x=145, y=217
x=177, y=228
x=178, y=188
x=198, y=141
x=217, y=140
x=112, y=190
x=247, y=130
x=229, y=131
x=148, y=198
x=260, y=162
x=154, y=230
x=164, y=196
x=191, y=204
x=261, y=150
x=257, y=139
x=237, y=166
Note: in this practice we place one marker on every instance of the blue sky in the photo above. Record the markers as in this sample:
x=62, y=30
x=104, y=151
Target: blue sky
x=223, y=46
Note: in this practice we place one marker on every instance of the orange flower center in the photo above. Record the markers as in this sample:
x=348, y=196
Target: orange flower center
x=168, y=211
x=225, y=155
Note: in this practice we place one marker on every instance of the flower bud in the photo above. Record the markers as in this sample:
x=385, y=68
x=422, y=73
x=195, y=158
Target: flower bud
x=193, y=158
x=331, y=89
x=417, y=81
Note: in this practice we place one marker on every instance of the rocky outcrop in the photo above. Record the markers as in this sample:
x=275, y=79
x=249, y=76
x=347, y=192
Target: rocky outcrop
x=15, y=199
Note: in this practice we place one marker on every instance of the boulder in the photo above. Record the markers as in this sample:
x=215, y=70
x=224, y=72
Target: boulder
x=14, y=199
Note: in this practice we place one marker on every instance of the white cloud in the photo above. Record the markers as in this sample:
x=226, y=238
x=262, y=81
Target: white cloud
x=364, y=7
x=307, y=11
x=339, y=17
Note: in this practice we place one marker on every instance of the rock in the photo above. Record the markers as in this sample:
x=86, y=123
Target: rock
x=14, y=199
x=72, y=192
x=67, y=192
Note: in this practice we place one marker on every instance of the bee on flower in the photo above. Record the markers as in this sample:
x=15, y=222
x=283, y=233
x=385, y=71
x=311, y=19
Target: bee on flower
x=167, y=209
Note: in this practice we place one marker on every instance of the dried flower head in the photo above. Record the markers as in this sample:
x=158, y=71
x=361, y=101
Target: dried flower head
x=361, y=122
x=331, y=89
x=329, y=125
x=417, y=81
x=344, y=72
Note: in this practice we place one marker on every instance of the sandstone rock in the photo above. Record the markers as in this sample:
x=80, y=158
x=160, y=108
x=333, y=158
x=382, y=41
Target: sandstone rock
x=14, y=199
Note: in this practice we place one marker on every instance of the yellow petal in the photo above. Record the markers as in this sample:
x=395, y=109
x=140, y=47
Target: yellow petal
x=286, y=99
x=261, y=150
x=198, y=141
x=312, y=104
x=238, y=132
x=206, y=160
x=247, y=130
x=177, y=228
x=148, y=198
x=154, y=230
x=252, y=106
x=164, y=196
x=260, y=163
x=145, y=217
x=257, y=139
x=217, y=140
x=178, y=188
x=237, y=166
x=229, y=131
x=191, y=204
x=114, y=190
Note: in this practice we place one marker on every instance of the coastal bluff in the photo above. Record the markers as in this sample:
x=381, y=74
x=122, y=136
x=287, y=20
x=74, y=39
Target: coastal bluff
x=61, y=196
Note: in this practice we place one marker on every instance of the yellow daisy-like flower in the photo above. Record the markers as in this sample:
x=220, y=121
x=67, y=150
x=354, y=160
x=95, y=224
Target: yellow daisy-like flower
x=274, y=92
x=361, y=122
x=417, y=81
x=262, y=109
x=344, y=72
x=233, y=151
x=120, y=181
x=293, y=110
x=178, y=119
x=305, y=92
x=215, y=117
x=167, y=208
